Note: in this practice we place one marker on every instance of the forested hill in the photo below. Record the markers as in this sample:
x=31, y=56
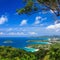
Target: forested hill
x=9, y=53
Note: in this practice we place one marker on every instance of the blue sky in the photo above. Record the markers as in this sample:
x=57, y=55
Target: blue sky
x=39, y=24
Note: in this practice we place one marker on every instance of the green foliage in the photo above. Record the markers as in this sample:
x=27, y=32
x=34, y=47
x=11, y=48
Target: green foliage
x=21, y=11
x=54, y=53
x=27, y=8
x=45, y=1
x=30, y=6
x=9, y=53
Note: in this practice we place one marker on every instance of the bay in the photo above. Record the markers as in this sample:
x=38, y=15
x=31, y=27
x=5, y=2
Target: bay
x=19, y=42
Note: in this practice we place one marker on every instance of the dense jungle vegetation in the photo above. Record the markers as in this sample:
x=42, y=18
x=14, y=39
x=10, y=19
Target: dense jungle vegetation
x=10, y=53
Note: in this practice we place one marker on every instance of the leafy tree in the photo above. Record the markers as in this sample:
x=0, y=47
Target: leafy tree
x=31, y=6
x=9, y=53
x=54, y=53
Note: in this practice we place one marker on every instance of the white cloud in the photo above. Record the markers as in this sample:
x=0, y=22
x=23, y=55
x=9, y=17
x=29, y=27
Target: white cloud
x=1, y=33
x=44, y=18
x=32, y=33
x=41, y=24
x=22, y=33
x=37, y=20
x=10, y=29
x=16, y=33
x=55, y=26
x=51, y=27
x=23, y=22
x=38, y=17
x=3, y=19
x=57, y=21
x=11, y=33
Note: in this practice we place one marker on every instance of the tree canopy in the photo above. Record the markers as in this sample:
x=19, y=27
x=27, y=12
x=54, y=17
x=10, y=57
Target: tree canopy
x=31, y=6
x=10, y=53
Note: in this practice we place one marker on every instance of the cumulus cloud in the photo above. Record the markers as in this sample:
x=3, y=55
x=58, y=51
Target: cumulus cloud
x=11, y=33
x=20, y=33
x=3, y=19
x=38, y=17
x=10, y=29
x=1, y=33
x=32, y=33
x=23, y=22
x=16, y=34
x=37, y=20
x=51, y=27
x=55, y=27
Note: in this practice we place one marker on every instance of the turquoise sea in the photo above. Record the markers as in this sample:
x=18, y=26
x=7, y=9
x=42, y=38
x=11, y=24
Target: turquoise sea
x=19, y=42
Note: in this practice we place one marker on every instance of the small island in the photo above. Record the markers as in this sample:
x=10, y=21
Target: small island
x=8, y=41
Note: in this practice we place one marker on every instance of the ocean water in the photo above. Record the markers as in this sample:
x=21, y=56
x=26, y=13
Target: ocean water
x=18, y=42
